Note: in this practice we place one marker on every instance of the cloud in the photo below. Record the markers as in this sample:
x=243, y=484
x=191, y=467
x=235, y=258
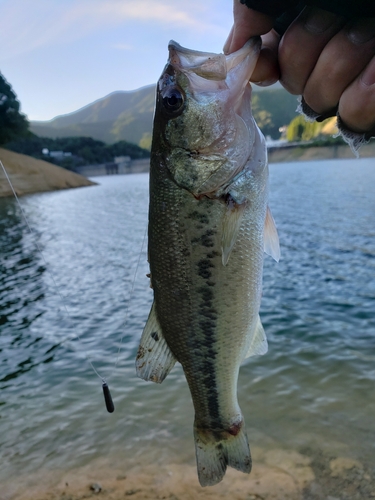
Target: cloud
x=27, y=25
x=123, y=46
x=164, y=12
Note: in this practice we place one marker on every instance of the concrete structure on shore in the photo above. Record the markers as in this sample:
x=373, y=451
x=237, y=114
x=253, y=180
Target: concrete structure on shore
x=121, y=165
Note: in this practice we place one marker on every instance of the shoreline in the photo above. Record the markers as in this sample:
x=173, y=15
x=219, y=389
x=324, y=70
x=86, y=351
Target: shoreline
x=29, y=175
x=299, y=153
x=277, y=474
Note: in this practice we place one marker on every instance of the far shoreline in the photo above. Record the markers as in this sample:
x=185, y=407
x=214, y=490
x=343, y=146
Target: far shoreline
x=307, y=153
x=29, y=175
x=283, y=154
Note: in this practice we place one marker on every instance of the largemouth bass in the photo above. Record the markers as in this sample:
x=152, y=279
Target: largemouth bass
x=208, y=228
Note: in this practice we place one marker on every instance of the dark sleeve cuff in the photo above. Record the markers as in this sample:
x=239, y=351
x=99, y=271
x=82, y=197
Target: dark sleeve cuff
x=348, y=8
x=272, y=8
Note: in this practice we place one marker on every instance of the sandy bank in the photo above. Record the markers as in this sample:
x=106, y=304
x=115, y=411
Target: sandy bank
x=29, y=175
x=277, y=475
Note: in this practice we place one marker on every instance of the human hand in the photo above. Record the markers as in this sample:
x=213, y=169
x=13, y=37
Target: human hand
x=322, y=56
x=248, y=23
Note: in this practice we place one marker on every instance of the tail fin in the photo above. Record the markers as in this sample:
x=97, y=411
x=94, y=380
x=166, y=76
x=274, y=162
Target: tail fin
x=215, y=450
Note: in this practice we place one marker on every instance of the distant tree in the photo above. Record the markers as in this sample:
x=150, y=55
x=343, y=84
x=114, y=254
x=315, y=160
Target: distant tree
x=84, y=150
x=145, y=141
x=124, y=148
x=262, y=117
x=300, y=129
x=273, y=109
x=12, y=123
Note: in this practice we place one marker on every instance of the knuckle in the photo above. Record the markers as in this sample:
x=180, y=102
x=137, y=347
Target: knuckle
x=357, y=107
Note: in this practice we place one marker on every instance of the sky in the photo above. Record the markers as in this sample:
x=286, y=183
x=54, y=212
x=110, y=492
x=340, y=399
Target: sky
x=60, y=55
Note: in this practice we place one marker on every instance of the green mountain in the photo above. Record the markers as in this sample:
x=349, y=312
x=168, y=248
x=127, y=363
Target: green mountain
x=118, y=116
x=128, y=116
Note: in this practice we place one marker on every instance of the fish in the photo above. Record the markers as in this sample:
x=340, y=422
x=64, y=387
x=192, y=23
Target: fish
x=209, y=225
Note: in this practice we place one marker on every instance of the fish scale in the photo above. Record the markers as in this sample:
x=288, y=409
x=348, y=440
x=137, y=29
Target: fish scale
x=207, y=220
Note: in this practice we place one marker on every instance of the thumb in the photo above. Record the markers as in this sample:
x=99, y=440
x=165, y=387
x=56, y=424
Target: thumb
x=247, y=23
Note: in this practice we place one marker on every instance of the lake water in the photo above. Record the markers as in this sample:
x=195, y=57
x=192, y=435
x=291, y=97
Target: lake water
x=313, y=392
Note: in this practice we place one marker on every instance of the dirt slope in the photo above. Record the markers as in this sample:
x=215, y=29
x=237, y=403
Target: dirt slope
x=29, y=175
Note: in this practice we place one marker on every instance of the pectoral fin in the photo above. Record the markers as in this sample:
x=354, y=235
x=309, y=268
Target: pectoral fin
x=154, y=358
x=231, y=225
x=259, y=344
x=271, y=238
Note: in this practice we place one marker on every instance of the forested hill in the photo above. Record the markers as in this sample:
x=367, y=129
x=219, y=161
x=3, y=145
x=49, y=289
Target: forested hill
x=118, y=116
x=128, y=116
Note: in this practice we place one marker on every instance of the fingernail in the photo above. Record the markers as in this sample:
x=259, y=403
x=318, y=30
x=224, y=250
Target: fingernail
x=361, y=31
x=327, y=114
x=265, y=83
x=317, y=21
x=368, y=76
x=228, y=42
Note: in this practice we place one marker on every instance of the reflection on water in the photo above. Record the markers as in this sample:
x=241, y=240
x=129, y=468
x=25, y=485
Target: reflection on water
x=315, y=387
x=22, y=294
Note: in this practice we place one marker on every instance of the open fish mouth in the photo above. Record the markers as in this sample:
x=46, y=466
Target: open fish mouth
x=210, y=65
x=231, y=71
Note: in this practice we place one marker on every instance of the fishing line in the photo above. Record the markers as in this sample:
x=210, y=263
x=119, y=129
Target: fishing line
x=130, y=296
x=106, y=392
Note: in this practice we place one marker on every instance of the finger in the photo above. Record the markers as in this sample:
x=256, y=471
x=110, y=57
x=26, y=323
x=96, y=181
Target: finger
x=267, y=70
x=247, y=23
x=228, y=41
x=341, y=61
x=302, y=45
x=357, y=103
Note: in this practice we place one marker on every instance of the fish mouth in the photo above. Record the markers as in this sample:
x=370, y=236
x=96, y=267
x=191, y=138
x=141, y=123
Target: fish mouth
x=217, y=67
x=205, y=64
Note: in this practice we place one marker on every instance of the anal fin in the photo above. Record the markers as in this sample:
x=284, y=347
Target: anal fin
x=154, y=358
x=259, y=344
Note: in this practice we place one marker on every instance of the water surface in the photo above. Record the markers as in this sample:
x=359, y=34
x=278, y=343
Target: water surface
x=315, y=389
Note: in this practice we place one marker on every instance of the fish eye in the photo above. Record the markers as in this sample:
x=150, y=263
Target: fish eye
x=173, y=101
